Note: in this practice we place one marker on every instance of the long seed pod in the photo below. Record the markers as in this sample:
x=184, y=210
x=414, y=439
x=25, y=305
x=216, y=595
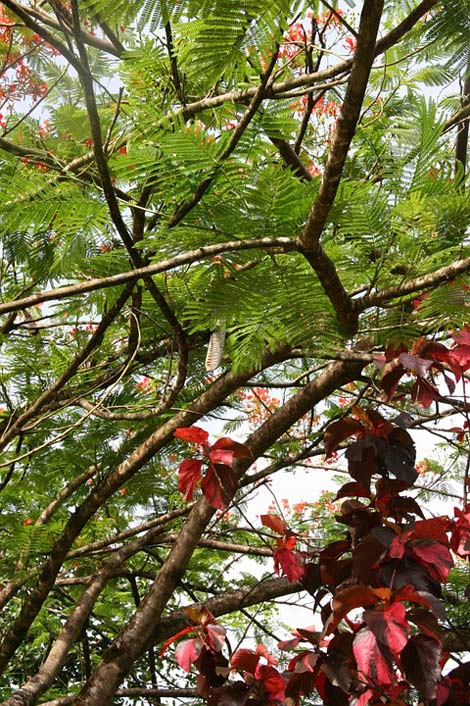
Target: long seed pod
x=215, y=349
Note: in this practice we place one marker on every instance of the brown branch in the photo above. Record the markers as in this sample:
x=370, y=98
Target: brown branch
x=291, y=158
x=461, y=142
x=440, y=276
x=187, y=258
x=76, y=621
x=309, y=241
x=26, y=15
x=237, y=134
x=221, y=388
x=138, y=634
x=94, y=341
x=91, y=39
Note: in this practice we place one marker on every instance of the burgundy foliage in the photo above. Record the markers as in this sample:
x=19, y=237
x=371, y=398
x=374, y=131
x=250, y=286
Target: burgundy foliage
x=378, y=589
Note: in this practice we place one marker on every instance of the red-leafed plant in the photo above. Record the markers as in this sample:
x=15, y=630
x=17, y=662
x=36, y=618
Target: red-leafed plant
x=219, y=481
x=379, y=588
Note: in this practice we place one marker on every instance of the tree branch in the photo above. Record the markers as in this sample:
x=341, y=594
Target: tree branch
x=90, y=285
x=309, y=241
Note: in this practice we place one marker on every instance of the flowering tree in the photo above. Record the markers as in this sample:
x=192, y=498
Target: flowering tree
x=234, y=243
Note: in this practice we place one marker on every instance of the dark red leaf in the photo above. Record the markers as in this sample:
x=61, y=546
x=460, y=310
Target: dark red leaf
x=426, y=622
x=355, y=489
x=362, y=460
x=229, y=695
x=330, y=694
x=420, y=662
x=311, y=579
x=244, y=660
x=335, y=550
x=424, y=393
x=387, y=488
x=275, y=523
x=222, y=456
x=227, y=444
x=194, y=434
x=365, y=556
x=434, y=556
x=397, y=455
x=188, y=651
x=188, y=477
x=213, y=670
x=404, y=571
x=390, y=627
x=338, y=432
x=403, y=507
x=219, y=485
x=392, y=373
x=371, y=663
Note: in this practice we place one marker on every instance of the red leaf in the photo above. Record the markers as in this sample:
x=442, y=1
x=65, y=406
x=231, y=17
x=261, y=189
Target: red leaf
x=408, y=593
x=219, y=485
x=188, y=477
x=353, y=489
x=348, y=598
x=338, y=431
x=370, y=659
x=435, y=556
x=221, y=456
x=461, y=352
x=303, y=662
x=244, y=660
x=275, y=523
x=194, y=434
x=434, y=528
x=215, y=636
x=460, y=537
x=424, y=393
x=173, y=638
x=188, y=651
x=289, y=563
x=227, y=444
x=271, y=681
x=392, y=373
x=390, y=627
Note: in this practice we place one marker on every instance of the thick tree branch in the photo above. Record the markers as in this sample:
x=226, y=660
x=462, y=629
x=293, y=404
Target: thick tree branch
x=136, y=636
x=222, y=387
x=309, y=241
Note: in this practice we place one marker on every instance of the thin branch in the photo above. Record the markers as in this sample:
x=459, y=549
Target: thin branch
x=93, y=342
x=440, y=276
